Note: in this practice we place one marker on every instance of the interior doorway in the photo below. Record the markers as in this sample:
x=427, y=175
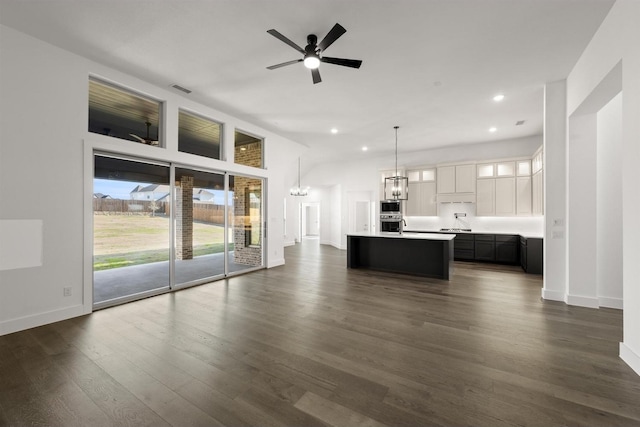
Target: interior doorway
x=310, y=220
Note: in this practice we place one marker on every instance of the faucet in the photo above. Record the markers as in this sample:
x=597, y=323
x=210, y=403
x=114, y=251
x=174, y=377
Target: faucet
x=402, y=228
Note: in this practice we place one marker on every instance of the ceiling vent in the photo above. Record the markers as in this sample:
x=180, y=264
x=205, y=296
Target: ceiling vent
x=180, y=88
x=519, y=122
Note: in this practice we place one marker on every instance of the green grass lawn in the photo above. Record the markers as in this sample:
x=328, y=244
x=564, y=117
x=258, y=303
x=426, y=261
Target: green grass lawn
x=124, y=240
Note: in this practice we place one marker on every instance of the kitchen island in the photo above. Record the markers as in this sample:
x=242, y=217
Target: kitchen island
x=420, y=254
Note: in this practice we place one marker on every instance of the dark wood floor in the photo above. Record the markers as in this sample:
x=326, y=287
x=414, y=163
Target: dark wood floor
x=312, y=343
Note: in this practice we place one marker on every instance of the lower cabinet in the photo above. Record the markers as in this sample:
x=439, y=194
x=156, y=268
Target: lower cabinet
x=507, y=249
x=501, y=248
x=531, y=254
x=463, y=247
x=485, y=246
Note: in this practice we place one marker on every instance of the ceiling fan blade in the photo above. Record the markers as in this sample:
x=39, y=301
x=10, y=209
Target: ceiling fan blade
x=335, y=33
x=353, y=63
x=144, y=141
x=315, y=73
x=284, y=39
x=273, y=67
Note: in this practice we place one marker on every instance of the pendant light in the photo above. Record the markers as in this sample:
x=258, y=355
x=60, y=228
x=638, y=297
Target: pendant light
x=396, y=187
x=299, y=191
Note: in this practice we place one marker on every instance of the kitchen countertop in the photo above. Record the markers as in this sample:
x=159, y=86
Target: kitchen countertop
x=525, y=234
x=423, y=235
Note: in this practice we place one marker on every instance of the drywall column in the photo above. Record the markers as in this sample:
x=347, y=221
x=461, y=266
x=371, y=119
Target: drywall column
x=581, y=211
x=555, y=194
x=609, y=199
x=630, y=346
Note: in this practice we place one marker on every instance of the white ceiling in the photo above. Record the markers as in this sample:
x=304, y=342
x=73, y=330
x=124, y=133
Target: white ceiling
x=429, y=66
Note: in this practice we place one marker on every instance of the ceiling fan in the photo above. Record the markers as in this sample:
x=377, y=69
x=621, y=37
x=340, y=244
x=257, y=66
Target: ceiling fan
x=146, y=140
x=312, y=52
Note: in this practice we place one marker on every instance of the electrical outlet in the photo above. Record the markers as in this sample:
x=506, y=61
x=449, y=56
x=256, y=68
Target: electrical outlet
x=67, y=291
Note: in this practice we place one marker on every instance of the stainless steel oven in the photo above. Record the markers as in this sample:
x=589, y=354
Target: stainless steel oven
x=391, y=223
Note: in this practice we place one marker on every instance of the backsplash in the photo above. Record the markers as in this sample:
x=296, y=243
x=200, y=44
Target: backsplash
x=446, y=219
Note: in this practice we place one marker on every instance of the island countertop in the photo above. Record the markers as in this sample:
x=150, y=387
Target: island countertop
x=406, y=235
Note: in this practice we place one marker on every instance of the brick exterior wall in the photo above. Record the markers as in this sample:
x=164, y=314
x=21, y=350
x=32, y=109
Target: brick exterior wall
x=184, y=218
x=243, y=253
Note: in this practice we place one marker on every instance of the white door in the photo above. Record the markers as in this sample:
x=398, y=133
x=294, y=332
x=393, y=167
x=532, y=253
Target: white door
x=313, y=225
x=363, y=215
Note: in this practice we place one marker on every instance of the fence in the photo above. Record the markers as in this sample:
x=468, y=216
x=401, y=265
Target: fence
x=202, y=212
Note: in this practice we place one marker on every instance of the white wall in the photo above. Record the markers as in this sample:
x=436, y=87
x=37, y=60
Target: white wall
x=44, y=145
x=609, y=204
x=616, y=44
x=555, y=191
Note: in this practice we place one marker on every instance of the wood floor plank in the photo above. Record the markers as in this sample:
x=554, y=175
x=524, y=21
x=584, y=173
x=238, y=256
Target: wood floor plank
x=332, y=413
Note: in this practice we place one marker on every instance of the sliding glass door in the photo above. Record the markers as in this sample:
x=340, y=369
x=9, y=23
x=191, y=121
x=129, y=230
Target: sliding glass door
x=199, y=218
x=151, y=236
x=131, y=229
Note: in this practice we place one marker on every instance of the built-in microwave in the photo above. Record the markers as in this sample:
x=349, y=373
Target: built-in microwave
x=389, y=206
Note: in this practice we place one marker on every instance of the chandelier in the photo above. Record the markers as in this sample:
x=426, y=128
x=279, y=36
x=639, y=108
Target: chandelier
x=299, y=191
x=396, y=187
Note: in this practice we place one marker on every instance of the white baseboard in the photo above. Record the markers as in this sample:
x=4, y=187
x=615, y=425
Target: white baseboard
x=630, y=357
x=28, y=322
x=289, y=243
x=581, y=301
x=552, y=295
x=610, y=302
x=275, y=262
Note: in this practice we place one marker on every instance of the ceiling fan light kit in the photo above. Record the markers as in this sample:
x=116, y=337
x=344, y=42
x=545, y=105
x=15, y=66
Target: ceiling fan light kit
x=313, y=52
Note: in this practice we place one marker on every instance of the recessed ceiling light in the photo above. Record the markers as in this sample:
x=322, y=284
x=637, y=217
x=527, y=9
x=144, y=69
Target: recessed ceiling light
x=334, y=131
x=493, y=129
x=365, y=148
x=498, y=97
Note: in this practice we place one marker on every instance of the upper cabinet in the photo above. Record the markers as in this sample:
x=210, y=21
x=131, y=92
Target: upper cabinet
x=456, y=179
x=537, y=183
x=504, y=188
x=422, y=193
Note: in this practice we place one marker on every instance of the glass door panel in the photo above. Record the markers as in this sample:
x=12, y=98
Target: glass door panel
x=199, y=215
x=245, y=227
x=131, y=229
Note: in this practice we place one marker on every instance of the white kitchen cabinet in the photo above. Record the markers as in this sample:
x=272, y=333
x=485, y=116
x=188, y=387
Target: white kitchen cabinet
x=429, y=175
x=524, y=167
x=466, y=179
x=485, y=197
x=486, y=171
x=422, y=199
x=506, y=169
x=505, y=196
x=456, y=179
x=446, y=179
x=537, y=191
x=523, y=195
